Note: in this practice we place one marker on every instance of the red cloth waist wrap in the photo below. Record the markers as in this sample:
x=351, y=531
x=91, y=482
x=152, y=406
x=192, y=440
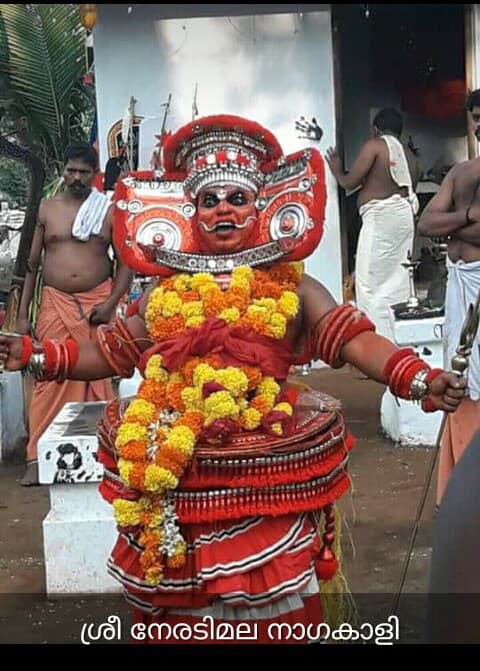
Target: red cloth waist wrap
x=236, y=345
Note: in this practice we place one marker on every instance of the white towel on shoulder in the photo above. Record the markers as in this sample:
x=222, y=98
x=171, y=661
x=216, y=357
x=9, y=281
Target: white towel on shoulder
x=399, y=170
x=90, y=216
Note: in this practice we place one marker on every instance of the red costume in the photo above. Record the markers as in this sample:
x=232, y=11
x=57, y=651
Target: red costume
x=222, y=474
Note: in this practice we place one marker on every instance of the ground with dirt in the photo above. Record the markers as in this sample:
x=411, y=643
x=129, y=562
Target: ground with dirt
x=378, y=519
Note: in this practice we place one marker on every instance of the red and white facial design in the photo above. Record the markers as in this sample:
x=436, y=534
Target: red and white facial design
x=226, y=218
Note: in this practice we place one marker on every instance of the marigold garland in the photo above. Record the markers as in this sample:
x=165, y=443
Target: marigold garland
x=203, y=397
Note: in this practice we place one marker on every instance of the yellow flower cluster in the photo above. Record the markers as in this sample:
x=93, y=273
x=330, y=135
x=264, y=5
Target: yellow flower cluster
x=173, y=408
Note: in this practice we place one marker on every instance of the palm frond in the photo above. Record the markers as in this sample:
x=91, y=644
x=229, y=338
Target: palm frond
x=41, y=62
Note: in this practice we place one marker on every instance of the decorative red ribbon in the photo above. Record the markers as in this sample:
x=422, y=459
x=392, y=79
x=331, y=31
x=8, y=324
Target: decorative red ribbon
x=236, y=345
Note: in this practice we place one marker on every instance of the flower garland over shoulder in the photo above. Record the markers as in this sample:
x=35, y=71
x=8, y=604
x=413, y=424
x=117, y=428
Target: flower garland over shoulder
x=177, y=407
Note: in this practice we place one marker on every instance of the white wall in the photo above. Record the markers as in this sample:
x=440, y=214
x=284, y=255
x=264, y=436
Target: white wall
x=269, y=67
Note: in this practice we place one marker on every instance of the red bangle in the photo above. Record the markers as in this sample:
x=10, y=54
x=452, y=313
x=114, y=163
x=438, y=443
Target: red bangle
x=432, y=374
x=27, y=350
x=400, y=369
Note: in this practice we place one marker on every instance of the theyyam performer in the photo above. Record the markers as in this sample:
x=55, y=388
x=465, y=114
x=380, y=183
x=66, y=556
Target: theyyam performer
x=223, y=474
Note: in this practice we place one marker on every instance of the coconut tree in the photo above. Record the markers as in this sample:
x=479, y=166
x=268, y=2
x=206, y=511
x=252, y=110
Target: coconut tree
x=44, y=104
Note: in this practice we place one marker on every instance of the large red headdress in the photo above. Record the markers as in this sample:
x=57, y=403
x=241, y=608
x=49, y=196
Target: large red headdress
x=153, y=220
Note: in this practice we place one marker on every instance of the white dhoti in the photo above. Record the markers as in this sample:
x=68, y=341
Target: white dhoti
x=463, y=287
x=385, y=239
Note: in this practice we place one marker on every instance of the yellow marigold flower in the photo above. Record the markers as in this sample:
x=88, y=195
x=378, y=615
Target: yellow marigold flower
x=182, y=282
x=192, y=398
x=144, y=412
x=154, y=575
x=154, y=304
x=192, y=309
x=252, y=418
x=203, y=373
x=242, y=273
x=130, y=431
x=200, y=280
x=155, y=520
x=258, y=311
x=194, y=322
x=268, y=303
x=154, y=370
x=242, y=404
x=299, y=268
x=127, y=513
x=172, y=304
x=288, y=304
x=181, y=438
x=230, y=315
x=220, y=404
x=124, y=468
x=267, y=401
x=234, y=380
x=158, y=478
x=268, y=386
x=240, y=283
x=284, y=407
x=278, y=324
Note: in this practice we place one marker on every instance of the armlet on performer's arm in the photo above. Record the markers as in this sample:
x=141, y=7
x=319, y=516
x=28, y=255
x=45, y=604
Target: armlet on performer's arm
x=118, y=347
x=334, y=330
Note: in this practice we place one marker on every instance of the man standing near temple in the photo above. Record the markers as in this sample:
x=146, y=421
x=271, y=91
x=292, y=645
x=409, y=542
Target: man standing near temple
x=74, y=232
x=454, y=213
x=387, y=174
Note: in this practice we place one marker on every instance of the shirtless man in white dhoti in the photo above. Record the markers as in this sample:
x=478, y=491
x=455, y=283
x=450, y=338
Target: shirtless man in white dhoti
x=387, y=173
x=454, y=213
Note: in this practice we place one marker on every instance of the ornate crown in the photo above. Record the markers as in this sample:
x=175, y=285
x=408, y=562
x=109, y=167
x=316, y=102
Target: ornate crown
x=221, y=150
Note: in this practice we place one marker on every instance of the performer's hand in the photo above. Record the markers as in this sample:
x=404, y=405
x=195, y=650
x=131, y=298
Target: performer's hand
x=446, y=391
x=23, y=326
x=102, y=314
x=10, y=352
x=333, y=160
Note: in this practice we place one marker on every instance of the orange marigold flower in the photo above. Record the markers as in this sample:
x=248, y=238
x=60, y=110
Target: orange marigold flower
x=189, y=368
x=168, y=284
x=194, y=421
x=260, y=404
x=166, y=327
x=175, y=455
x=174, y=398
x=267, y=289
x=177, y=561
x=189, y=296
x=161, y=436
x=254, y=375
x=169, y=464
x=137, y=477
x=154, y=391
x=236, y=297
x=214, y=302
x=134, y=450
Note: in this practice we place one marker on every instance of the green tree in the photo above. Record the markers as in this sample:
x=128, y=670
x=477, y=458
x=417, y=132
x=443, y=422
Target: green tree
x=14, y=182
x=44, y=104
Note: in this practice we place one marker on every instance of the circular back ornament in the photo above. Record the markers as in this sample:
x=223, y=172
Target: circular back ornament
x=155, y=216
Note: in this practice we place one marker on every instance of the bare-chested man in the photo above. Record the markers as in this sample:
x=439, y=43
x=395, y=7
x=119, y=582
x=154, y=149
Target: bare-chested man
x=454, y=213
x=74, y=231
x=386, y=171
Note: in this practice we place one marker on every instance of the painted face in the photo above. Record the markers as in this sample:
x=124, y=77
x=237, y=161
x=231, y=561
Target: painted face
x=226, y=218
x=78, y=176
